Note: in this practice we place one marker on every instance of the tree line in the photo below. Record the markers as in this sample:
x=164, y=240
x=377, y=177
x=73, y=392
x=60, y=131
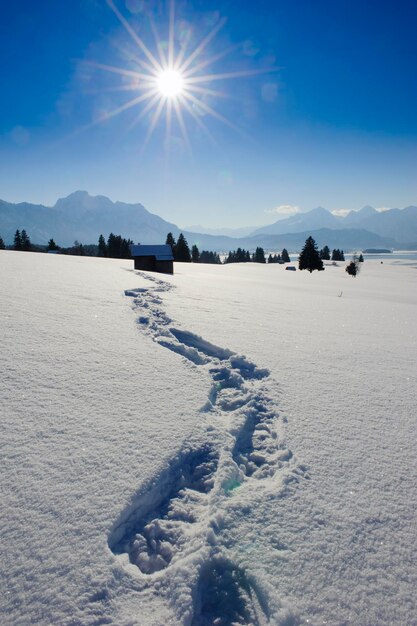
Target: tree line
x=118, y=247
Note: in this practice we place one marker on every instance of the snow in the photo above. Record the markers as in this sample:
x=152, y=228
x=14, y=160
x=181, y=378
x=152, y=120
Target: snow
x=228, y=445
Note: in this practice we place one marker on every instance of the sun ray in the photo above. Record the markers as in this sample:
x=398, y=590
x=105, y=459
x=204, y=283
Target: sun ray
x=202, y=45
x=199, y=66
x=208, y=109
x=171, y=51
x=168, y=121
x=104, y=118
x=182, y=125
x=207, y=92
x=114, y=89
x=134, y=35
x=143, y=64
x=198, y=120
x=154, y=121
x=237, y=74
x=162, y=56
x=118, y=70
x=125, y=106
x=155, y=98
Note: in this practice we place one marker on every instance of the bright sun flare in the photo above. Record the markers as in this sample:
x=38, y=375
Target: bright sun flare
x=170, y=83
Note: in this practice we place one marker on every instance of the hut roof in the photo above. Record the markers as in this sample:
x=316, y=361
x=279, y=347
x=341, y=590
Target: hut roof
x=161, y=252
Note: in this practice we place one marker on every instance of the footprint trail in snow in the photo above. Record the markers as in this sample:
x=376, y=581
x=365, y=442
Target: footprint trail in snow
x=173, y=527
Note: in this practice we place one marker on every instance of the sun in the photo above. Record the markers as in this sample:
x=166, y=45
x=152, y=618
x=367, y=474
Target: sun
x=170, y=83
x=171, y=80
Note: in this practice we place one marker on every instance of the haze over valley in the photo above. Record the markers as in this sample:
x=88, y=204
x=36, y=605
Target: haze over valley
x=83, y=217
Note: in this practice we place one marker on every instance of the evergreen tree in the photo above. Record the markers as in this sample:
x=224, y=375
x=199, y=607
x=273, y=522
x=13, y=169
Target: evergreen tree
x=259, y=256
x=353, y=267
x=24, y=237
x=111, y=246
x=171, y=241
x=337, y=255
x=17, y=242
x=118, y=247
x=325, y=253
x=309, y=258
x=102, y=247
x=2, y=245
x=182, y=251
x=52, y=245
x=195, y=254
x=125, y=248
x=209, y=257
x=285, y=257
x=240, y=256
x=276, y=258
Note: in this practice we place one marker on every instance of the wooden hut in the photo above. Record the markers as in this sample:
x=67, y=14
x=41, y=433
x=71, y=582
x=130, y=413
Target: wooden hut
x=153, y=258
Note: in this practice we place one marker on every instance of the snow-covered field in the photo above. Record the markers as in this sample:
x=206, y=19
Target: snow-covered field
x=229, y=445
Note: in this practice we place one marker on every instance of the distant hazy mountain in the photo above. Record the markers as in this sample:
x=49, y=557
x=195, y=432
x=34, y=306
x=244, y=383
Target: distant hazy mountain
x=82, y=217
x=354, y=217
x=394, y=224
x=346, y=239
x=399, y=224
x=315, y=219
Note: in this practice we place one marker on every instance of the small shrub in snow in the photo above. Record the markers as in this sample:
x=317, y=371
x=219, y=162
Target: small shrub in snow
x=353, y=267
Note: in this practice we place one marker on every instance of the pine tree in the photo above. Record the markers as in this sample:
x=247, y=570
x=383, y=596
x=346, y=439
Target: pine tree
x=259, y=256
x=353, y=268
x=111, y=245
x=309, y=258
x=102, y=247
x=241, y=256
x=24, y=237
x=171, y=241
x=17, y=242
x=52, y=245
x=2, y=245
x=195, y=254
x=325, y=253
x=285, y=257
x=182, y=251
x=209, y=257
x=337, y=255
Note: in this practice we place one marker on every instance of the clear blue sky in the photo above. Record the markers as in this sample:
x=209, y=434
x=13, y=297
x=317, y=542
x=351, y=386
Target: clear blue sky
x=335, y=125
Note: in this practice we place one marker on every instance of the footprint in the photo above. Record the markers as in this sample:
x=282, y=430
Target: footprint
x=200, y=344
x=256, y=449
x=224, y=597
x=152, y=534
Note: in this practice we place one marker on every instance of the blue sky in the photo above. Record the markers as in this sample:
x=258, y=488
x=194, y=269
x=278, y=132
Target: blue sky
x=333, y=125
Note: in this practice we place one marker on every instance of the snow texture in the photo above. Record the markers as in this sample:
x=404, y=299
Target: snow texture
x=242, y=454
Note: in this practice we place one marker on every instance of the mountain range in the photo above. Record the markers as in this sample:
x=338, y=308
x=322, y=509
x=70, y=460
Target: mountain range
x=82, y=217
